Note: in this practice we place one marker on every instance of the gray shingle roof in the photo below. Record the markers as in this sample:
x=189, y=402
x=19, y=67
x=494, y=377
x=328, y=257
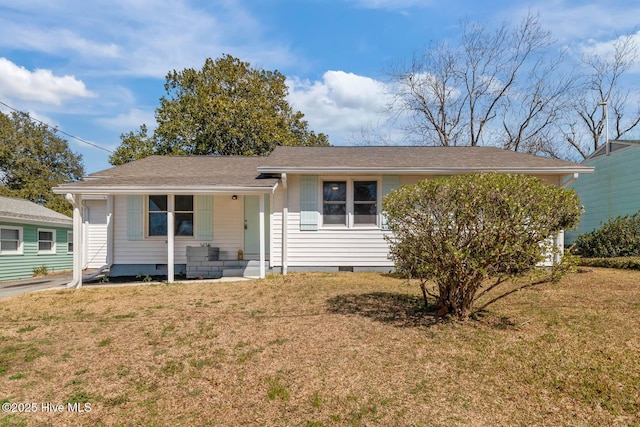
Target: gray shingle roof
x=180, y=171
x=419, y=158
x=226, y=173
x=23, y=210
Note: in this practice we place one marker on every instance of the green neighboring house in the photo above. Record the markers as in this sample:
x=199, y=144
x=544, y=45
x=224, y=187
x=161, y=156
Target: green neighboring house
x=612, y=190
x=33, y=236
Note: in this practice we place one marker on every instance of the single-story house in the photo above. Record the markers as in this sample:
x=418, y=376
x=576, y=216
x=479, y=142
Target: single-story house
x=32, y=236
x=298, y=209
x=612, y=190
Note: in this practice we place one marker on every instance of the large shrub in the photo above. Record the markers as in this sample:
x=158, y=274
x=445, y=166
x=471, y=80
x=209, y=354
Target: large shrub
x=618, y=237
x=462, y=231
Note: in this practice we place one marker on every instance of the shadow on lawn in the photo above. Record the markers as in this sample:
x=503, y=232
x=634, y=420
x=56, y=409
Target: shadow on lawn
x=399, y=310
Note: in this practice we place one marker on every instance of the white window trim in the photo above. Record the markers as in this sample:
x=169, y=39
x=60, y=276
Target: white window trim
x=350, y=203
x=146, y=217
x=69, y=240
x=51, y=251
x=20, y=250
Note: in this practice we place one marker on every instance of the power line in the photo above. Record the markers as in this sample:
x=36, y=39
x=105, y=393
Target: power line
x=57, y=130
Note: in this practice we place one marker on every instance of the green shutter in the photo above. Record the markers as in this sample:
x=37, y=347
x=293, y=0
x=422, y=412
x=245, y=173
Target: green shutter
x=389, y=183
x=204, y=217
x=308, y=203
x=134, y=217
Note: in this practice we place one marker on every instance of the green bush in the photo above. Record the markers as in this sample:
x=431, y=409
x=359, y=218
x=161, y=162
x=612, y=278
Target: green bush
x=625, y=263
x=464, y=231
x=618, y=237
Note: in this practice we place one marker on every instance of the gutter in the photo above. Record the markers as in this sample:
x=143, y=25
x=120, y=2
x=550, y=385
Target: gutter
x=570, y=180
x=422, y=170
x=138, y=189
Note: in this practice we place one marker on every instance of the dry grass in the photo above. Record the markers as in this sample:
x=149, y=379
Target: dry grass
x=324, y=349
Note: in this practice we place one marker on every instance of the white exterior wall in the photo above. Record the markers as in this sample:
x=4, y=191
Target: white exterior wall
x=95, y=233
x=228, y=235
x=326, y=247
x=332, y=247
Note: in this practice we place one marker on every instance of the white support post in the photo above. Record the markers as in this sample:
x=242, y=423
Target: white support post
x=76, y=201
x=170, y=239
x=285, y=224
x=262, y=238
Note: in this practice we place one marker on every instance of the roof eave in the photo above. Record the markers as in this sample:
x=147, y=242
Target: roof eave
x=182, y=189
x=37, y=221
x=425, y=171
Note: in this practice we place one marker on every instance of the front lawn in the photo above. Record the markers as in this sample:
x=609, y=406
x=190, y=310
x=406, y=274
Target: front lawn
x=322, y=349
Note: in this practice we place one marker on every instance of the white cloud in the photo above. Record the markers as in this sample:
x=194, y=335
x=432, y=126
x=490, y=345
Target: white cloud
x=142, y=37
x=130, y=120
x=39, y=85
x=342, y=105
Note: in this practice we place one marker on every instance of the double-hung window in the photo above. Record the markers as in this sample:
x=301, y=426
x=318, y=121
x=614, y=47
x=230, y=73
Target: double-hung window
x=334, y=202
x=157, y=211
x=10, y=240
x=365, y=202
x=69, y=242
x=46, y=241
x=350, y=203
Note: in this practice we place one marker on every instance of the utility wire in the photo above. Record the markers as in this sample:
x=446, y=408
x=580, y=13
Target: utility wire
x=57, y=130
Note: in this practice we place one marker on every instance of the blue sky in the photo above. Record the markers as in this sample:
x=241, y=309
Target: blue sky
x=95, y=69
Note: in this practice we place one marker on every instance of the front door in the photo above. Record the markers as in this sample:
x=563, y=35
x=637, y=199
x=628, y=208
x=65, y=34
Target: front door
x=252, y=226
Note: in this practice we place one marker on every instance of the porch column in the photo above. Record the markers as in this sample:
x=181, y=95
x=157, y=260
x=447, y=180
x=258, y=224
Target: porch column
x=262, y=237
x=285, y=223
x=76, y=202
x=170, y=239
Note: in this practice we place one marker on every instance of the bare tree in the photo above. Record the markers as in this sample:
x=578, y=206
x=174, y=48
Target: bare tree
x=498, y=88
x=602, y=75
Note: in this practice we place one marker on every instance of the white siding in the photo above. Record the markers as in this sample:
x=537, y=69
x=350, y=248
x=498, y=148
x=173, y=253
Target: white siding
x=95, y=233
x=331, y=247
x=228, y=229
x=324, y=247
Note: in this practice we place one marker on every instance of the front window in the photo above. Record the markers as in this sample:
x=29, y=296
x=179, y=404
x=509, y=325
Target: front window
x=46, y=241
x=157, y=215
x=350, y=202
x=334, y=202
x=365, y=202
x=183, y=211
x=184, y=215
x=10, y=241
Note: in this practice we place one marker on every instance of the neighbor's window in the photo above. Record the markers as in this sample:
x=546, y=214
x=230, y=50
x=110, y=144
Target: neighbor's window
x=183, y=212
x=334, y=202
x=365, y=202
x=69, y=242
x=46, y=241
x=10, y=240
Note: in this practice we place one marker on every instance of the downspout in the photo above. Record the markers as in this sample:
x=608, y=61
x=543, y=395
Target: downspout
x=262, y=237
x=110, y=231
x=171, y=247
x=570, y=181
x=285, y=223
x=76, y=202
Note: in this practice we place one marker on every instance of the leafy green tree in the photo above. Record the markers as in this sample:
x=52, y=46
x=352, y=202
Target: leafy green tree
x=33, y=160
x=226, y=108
x=471, y=233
